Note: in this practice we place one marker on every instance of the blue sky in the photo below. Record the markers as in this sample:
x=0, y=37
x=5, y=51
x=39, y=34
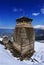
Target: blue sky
x=12, y=9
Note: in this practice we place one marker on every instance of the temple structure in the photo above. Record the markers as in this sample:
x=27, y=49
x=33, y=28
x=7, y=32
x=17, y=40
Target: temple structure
x=24, y=37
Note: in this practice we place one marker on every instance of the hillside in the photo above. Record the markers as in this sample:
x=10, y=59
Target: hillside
x=6, y=57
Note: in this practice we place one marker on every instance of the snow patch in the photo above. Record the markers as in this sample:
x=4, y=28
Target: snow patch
x=1, y=39
x=6, y=57
x=39, y=26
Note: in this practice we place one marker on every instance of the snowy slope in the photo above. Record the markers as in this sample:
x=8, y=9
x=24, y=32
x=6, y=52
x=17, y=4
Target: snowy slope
x=6, y=57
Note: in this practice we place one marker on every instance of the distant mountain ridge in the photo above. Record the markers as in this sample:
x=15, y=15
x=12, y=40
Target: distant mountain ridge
x=39, y=27
x=39, y=32
x=6, y=31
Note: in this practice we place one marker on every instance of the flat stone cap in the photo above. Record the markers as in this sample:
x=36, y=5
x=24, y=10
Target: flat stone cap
x=24, y=19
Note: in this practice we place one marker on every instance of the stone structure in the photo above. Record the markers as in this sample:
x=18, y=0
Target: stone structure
x=5, y=39
x=24, y=38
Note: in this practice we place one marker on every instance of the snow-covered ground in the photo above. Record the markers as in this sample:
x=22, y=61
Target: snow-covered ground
x=6, y=57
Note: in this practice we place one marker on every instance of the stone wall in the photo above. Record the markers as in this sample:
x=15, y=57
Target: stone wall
x=23, y=37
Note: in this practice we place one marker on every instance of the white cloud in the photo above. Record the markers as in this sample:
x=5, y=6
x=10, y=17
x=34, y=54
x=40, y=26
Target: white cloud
x=42, y=10
x=35, y=14
x=15, y=9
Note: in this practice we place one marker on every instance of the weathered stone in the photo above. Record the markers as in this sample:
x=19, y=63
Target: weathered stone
x=22, y=43
x=5, y=39
x=24, y=37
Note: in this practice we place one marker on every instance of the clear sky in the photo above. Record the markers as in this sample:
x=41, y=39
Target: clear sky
x=12, y=9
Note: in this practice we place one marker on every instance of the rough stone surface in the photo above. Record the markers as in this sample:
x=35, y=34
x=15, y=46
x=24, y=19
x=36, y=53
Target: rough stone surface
x=24, y=38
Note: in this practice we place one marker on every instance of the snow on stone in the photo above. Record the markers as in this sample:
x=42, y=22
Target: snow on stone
x=1, y=39
x=6, y=57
